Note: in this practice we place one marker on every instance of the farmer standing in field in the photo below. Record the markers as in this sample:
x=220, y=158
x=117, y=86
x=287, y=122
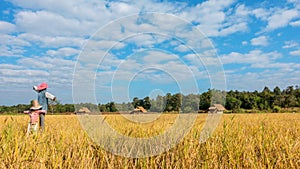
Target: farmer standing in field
x=43, y=97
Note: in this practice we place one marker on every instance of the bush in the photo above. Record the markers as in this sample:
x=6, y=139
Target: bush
x=276, y=109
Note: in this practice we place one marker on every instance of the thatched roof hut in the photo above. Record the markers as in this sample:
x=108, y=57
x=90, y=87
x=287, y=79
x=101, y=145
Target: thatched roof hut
x=216, y=108
x=139, y=109
x=84, y=110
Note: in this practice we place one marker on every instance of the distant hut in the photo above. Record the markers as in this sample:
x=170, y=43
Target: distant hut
x=139, y=109
x=83, y=110
x=216, y=108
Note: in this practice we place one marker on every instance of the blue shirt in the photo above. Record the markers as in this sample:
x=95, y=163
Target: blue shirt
x=43, y=100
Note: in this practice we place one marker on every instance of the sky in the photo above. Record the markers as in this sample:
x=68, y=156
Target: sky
x=100, y=51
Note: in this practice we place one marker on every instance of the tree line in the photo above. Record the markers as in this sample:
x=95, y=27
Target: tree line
x=233, y=100
x=270, y=100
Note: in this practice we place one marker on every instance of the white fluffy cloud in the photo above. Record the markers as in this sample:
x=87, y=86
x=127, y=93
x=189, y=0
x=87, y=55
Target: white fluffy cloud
x=244, y=43
x=295, y=23
x=28, y=73
x=10, y=40
x=281, y=18
x=47, y=23
x=218, y=18
x=253, y=57
x=290, y=44
x=260, y=41
x=257, y=80
x=36, y=70
x=12, y=46
x=157, y=57
x=6, y=27
x=277, y=17
x=51, y=41
x=75, y=9
x=295, y=53
x=63, y=52
x=261, y=13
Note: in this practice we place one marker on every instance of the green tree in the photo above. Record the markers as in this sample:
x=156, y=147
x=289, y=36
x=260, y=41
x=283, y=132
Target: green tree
x=205, y=100
x=277, y=91
x=135, y=102
x=112, y=107
x=102, y=108
x=248, y=100
x=158, y=104
x=267, y=99
x=290, y=97
x=176, y=102
x=147, y=103
x=190, y=103
x=233, y=104
x=169, y=105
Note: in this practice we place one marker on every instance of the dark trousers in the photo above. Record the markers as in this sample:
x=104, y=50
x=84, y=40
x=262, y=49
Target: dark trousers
x=42, y=121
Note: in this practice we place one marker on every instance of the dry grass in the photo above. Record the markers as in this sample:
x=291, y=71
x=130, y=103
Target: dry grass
x=240, y=141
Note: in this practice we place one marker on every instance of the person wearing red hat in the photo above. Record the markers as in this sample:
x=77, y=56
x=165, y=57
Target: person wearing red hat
x=43, y=97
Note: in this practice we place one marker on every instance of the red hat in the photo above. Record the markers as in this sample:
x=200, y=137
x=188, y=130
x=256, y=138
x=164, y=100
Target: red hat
x=42, y=86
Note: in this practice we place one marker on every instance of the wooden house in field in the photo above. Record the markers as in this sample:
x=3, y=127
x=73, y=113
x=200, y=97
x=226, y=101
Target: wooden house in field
x=216, y=108
x=83, y=110
x=139, y=109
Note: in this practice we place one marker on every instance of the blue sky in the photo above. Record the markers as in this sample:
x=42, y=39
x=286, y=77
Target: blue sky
x=100, y=51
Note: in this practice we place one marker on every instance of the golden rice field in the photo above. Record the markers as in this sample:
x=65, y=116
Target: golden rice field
x=240, y=141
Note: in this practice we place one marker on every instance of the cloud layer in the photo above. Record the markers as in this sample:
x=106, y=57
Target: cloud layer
x=41, y=41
